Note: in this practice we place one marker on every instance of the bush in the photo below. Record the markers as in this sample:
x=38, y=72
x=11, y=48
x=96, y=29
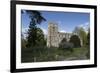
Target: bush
x=75, y=40
x=66, y=46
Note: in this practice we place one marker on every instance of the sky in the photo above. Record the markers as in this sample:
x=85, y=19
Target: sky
x=66, y=21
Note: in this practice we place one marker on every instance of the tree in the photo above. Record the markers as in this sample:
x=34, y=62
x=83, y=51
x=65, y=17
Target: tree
x=65, y=45
x=88, y=44
x=41, y=41
x=36, y=18
x=82, y=34
x=31, y=38
x=88, y=38
x=75, y=40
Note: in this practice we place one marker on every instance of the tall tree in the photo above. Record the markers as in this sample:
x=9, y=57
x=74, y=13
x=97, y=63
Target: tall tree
x=88, y=37
x=31, y=38
x=88, y=44
x=41, y=41
x=82, y=34
x=36, y=18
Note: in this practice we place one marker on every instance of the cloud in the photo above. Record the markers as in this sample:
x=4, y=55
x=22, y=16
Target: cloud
x=62, y=31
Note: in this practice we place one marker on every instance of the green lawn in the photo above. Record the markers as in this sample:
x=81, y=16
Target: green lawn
x=42, y=54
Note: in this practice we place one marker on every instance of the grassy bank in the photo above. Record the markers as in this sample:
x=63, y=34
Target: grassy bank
x=42, y=54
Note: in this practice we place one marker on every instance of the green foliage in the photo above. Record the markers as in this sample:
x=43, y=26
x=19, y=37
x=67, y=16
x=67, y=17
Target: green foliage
x=64, y=45
x=42, y=54
x=82, y=34
x=88, y=38
x=23, y=43
x=35, y=34
x=38, y=54
x=32, y=32
x=75, y=41
x=85, y=39
x=88, y=45
x=40, y=41
x=36, y=37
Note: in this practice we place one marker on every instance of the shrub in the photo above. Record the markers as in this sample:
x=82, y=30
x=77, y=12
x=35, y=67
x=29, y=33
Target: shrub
x=75, y=40
x=66, y=46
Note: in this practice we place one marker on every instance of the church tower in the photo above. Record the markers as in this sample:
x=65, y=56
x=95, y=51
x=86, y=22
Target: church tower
x=52, y=34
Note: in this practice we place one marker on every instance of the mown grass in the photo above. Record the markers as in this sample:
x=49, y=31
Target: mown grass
x=42, y=54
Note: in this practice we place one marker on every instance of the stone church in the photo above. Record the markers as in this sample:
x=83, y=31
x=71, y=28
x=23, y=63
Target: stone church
x=54, y=37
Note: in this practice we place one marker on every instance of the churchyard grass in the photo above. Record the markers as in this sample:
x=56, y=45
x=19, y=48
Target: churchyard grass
x=44, y=54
